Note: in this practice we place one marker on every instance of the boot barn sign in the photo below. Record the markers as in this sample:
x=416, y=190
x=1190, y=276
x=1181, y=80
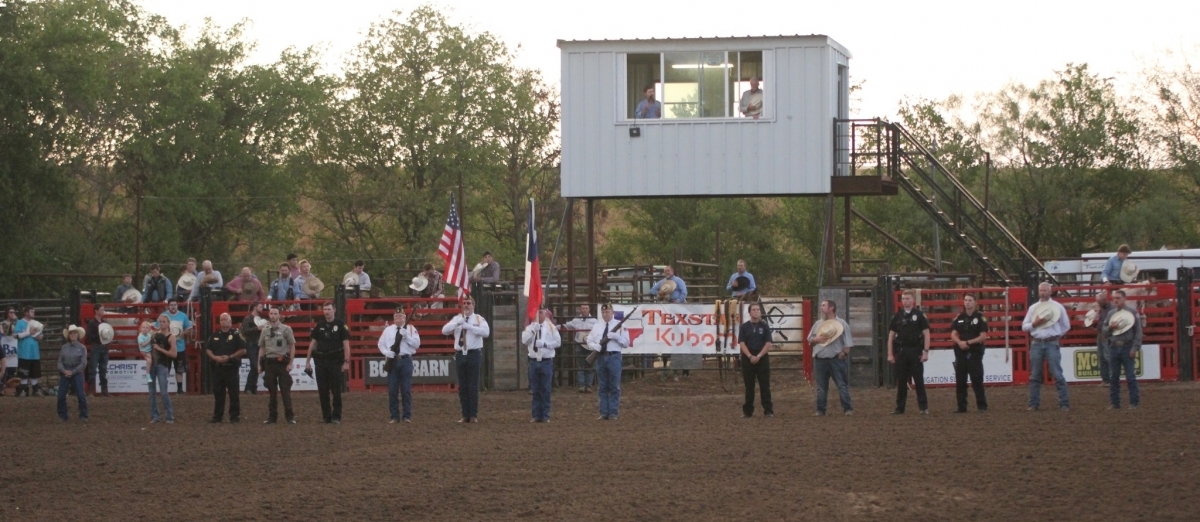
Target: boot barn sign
x=684, y=329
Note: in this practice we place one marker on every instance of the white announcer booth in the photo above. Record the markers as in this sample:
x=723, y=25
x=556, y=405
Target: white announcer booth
x=697, y=140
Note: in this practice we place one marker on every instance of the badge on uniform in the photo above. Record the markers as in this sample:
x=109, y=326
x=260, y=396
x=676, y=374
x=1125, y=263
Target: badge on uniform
x=914, y=318
x=230, y=337
x=975, y=321
x=335, y=327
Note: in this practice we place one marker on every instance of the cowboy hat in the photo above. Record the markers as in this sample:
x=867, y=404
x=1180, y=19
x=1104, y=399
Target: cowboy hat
x=1045, y=310
x=478, y=268
x=261, y=322
x=1090, y=318
x=106, y=333
x=350, y=279
x=35, y=327
x=1129, y=272
x=176, y=328
x=186, y=281
x=250, y=288
x=741, y=282
x=131, y=296
x=831, y=330
x=1123, y=319
x=313, y=286
x=209, y=279
x=667, y=287
x=67, y=333
x=419, y=283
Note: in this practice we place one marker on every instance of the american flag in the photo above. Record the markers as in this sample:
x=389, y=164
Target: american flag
x=454, y=253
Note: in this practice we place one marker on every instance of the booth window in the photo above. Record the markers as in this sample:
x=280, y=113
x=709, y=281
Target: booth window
x=691, y=85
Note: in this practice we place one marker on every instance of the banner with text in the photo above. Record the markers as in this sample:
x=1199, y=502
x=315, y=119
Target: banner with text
x=671, y=328
x=426, y=370
x=997, y=367
x=129, y=376
x=300, y=380
x=1082, y=364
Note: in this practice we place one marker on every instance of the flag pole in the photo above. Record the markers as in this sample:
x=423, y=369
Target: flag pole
x=554, y=256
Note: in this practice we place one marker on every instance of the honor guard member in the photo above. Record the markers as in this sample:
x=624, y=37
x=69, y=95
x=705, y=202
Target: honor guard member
x=469, y=330
x=225, y=348
x=330, y=346
x=754, y=338
x=908, y=349
x=276, y=351
x=541, y=340
x=399, y=343
x=968, y=332
x=608, y=338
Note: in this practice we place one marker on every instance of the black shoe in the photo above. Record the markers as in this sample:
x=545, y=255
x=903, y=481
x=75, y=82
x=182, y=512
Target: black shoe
x=337, y=421
x=768, y=415
x=746, y=415
x=235, y=420
x=960, y=410
x=214, y=420
x=925, y=411
x=269, y=421
x=291, y=421
x=897, y=412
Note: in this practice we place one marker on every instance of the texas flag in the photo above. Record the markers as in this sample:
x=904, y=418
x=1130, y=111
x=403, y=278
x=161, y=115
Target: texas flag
x=533, y=273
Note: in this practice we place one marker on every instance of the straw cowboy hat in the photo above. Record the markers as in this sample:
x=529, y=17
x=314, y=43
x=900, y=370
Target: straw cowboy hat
x=667, y=287
x=313, y=286
x=76, y=329
x=350, y=279
x=831, y=330
x=250, y=288
x=1129, y=272
x=106, y=333
x=419, y=283
x=186, y=281
x=1045, y=310
x=1123, y=321
x=131, y=296
x=1090, y=318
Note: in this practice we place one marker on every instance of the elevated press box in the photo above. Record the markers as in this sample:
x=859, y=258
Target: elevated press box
x=697, y=138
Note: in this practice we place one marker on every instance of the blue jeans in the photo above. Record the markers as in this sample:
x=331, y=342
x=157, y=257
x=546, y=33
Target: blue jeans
x=160, y=386
x=467, y=367
x=608, y=373
x=1046, y=351
x=1103, y=357
x=837, y=368
x=541, y=374
x=585, y=373
x=64, y=384
x=1118, y=358
x=98, y=364
x=400, y=387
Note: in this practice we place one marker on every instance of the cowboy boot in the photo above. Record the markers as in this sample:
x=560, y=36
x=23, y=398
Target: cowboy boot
x=104, y=390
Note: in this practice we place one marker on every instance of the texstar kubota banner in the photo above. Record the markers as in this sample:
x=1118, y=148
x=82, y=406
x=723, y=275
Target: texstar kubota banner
x=672, y=328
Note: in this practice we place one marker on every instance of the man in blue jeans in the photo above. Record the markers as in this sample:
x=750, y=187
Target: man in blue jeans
x=1046, y=322
x=1123, y=330
x=399, y=342
x=582, y=326
x=609, y=340
x=831, y=354
x=469, y=330
x=541, y=340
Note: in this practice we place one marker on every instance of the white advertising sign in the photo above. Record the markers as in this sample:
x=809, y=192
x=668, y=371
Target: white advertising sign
x=300, y=380
x=8, y=350
x=670, y=328
x=785, y=319
x=129, y=376
x=997, y=367
x=1082, y=364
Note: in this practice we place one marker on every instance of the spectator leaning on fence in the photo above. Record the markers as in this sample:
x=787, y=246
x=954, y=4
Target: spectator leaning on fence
x=1112, y=268
x=207, y=277
x=157, y=288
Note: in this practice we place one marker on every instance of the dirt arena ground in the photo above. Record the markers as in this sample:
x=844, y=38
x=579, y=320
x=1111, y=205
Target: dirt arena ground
x=680, y=451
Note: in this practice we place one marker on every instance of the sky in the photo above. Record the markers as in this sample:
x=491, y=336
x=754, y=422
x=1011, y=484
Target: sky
x=901, y=49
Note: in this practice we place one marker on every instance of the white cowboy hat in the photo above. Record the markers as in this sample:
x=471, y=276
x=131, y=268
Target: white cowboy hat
x=35, y=327
x=176, y=329
x=261, y=322
x=1129, y=271
x=67, y=333
x=1045, y=310
x=667, y=287
x=106, y=333
x=831, y=329
x=419, y=283
x=131, y=296
x=475, y=271
x=1090, y=318
x=1123, y=319
x=350, y=279
x=186, y=281
x=313, y=286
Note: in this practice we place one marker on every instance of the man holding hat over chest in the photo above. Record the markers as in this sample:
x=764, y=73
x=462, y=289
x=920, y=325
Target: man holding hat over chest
x=1046, y=321
x=99, y=334
x=1123, y=331
x=831, y=353
x=1115, y=267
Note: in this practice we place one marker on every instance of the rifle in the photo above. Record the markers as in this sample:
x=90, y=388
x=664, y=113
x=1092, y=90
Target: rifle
x=591, y=358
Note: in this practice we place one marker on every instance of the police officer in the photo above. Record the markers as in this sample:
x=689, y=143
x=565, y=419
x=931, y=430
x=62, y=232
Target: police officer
x=330, y=346
x=908, y=349
x=225, y=348
x=276, y=351
x=755, y=343
x=968, y=332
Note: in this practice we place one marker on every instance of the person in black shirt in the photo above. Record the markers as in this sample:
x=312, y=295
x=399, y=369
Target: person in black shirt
x=330, y=346
x=250, y=333
x=968, y=332
x=908, y=349
x=755, y=341
x=97, y=365
x=225, y=348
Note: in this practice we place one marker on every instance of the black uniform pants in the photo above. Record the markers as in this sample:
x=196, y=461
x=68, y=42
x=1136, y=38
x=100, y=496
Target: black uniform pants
x=969, y=363
x=225, y=383
x=252, y=379
x=329, y=381
x=277, y=379
x=762, y=373
x=909, y=366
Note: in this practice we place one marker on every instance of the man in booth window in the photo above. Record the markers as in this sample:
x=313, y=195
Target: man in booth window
x=751, y=104
x=648, y=108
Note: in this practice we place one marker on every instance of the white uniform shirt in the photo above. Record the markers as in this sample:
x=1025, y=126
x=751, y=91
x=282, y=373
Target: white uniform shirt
x=582, y=326
x=617, y=341
x=410, y=340
x=475, y=328
x=544, y=336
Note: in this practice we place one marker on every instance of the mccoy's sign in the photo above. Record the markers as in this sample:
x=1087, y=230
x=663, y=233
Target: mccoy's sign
x=426, y=370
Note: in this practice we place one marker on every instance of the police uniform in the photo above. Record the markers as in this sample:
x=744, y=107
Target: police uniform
x=329, y=357
x=756, y=336
x=225, y=374
x=907, y=348
x=969, y=362
x=275, y=345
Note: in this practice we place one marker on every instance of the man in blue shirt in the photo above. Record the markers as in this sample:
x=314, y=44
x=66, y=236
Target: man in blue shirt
x=679, y=294
x=29, y=355
x=157, y=288
x=284, y=288
x=180, y=322
x=733, y=280
x=648, y=108
x=1112, y=269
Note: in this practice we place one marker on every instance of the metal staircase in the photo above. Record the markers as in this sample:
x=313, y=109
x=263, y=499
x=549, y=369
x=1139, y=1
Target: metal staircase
x=943, y=196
